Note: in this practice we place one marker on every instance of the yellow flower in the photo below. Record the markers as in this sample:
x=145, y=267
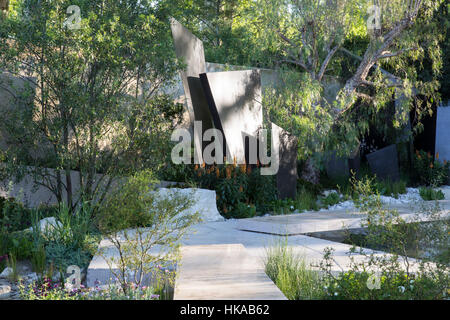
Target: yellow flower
x=431, y=165
x=437, y=156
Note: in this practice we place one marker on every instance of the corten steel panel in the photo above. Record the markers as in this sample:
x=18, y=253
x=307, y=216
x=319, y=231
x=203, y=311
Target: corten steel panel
x=287, y=172
x=189, y=49
x=384, y=163
x=234, y=99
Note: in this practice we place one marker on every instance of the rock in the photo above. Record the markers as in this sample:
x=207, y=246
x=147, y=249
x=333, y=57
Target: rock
x=32, y=277
x=47, y=224
x=310, y=173
x=6, y=273
x=204, y=201
x=5, y=292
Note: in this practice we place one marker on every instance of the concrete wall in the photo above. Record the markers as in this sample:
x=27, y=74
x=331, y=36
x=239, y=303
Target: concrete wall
x=443, y=132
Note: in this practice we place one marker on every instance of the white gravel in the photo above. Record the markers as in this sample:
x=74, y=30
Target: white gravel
x=411, y=196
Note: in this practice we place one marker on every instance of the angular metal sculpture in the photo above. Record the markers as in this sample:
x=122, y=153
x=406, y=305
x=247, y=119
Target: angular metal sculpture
x=287, y=172
x=189, y=49
x=234, y=99
x=384, y=163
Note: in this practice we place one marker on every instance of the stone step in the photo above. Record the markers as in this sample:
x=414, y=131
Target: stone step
x=222, y=272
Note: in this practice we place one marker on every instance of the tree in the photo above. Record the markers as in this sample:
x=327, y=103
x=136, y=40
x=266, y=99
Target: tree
x=312, y=35
x=227, y=29
x=92, y=102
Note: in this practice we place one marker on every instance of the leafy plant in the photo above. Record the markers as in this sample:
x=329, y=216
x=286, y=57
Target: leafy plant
x=290, y=272
x=234, y=184
x=430, y=171
x=399, y=276
x=428, y=194
x=331, y=199
x=136, y=219
x=38, y=260
x=12, y=263
x=390, y=188
x=244, y=210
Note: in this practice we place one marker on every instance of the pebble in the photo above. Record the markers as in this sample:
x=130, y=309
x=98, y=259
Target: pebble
x=6, y=273
x=5, y=292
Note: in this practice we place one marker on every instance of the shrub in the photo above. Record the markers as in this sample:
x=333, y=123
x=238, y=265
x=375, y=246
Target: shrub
x=136, y=220
x=389, y=188
x=233, y=184
x=428, y=194
x=244, y=210
x=48, y=289
x=331, y=199
x=306, y=200
x=399, y=276
x=62, y=255
x=13, y=215
x=291, y=274
x=19, y=243
x=283, y=206
x=430, y=171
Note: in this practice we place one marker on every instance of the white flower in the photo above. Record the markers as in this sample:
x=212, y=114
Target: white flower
x=292, y=207
x=401, y=289
x=335, y=293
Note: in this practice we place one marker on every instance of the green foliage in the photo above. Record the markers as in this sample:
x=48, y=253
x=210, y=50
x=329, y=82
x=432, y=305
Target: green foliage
x=283, y=206
x=428, y=194
x=290, y=272
x=99, y=108
x=389, y=188
x=13, y=215
x=38, y=259
x=48, y=290
x=72, y=228
x=12, y=263
x=234, y=184
x=136, y=220
x=394, y=284
x=244, y=210
x=20, y=244
x=332, y=199
x=63, y=255
x=306, y=200
x=398, y=276
x=129, y=205
x=430, y=171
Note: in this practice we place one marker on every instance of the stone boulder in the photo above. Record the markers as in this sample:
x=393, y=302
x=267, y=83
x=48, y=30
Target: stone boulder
x=47, y=225
x=204, y=202
x=6, y=273
x=5, y=292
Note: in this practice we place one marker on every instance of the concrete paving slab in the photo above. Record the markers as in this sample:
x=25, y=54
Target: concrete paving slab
x=222, y=272
x=256, y=243
x=331, y=220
